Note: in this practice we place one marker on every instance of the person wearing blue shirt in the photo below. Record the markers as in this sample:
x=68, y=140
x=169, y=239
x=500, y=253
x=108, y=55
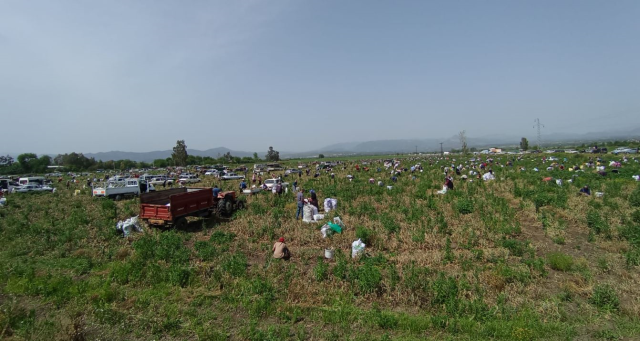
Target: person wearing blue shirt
x=585, y=190
x=243, y=185
x=216, y=190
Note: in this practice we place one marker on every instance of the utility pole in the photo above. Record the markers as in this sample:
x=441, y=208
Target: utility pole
x=441, y=150
x=538, y=124
x=416, y=150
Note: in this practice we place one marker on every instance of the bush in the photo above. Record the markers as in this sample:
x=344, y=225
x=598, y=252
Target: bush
x=364, y=234
x=367, y=278
x=604, y=297
x=560, y=261
x=205, y=250
x=464, y=206
x=236, y=265
x=634, y=198
x=445, y=292
x=222, y=238
x=321, y=270
x=517, y=248
x=595, y=222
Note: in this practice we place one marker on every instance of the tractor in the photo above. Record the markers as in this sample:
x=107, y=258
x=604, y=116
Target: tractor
x=227, y=203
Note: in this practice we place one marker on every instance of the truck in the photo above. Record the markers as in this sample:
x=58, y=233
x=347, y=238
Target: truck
x=118, y=190
x=172, y=207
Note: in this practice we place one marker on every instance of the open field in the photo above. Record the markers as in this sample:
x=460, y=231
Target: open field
x=511, y=259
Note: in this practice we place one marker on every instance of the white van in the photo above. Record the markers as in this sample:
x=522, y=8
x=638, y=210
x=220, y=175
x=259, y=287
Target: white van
x=31, y=180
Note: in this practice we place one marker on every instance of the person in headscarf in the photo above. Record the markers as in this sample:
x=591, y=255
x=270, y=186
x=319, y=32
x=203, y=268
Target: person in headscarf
x=314, y=199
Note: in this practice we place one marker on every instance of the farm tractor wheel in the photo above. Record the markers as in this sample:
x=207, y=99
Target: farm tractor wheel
x=240, y=205
x=222, y=208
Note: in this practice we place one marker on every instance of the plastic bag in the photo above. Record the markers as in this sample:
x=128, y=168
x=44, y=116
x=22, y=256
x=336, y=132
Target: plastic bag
x=128, y=226
x=336, y=228
x=307, y=213
x=559, y=182
x=338, y=221
x=317, y=217
x=326, y=231
x=357, y=248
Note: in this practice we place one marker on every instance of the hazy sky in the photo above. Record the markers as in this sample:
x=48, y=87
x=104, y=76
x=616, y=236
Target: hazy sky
x=90, y=76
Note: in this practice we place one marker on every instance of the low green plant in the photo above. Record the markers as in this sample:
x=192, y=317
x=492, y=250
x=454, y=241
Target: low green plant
x=560, y=261
x=321, y=270
x=235, y=265
x=605, y=297
x=634, y=197
x=364, y=234
x=465, y=206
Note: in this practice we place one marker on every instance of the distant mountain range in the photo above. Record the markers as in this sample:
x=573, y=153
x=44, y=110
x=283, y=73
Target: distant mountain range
x=434, y=145
x=163, y=154
x=390, y=146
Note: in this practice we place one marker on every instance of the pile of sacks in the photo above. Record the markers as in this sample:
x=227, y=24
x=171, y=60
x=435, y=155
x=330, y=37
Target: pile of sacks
x=330, y=204
x=128, y=226
x=310, y=213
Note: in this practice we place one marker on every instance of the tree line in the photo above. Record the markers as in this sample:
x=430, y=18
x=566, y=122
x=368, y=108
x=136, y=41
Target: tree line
x=31, y=163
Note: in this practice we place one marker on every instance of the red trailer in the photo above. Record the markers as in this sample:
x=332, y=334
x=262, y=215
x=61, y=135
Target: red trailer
x=171, y=207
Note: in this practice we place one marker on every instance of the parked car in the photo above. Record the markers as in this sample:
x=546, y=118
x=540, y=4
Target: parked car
x=211, y=172
x=232, y=176
x=571, y=151
x=292, y=171
x=188, y=178
x=32, y=188
x=624, y=150
x=272, y=182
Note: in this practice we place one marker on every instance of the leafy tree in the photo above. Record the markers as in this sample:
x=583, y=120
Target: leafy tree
x=179, y=154
x=255, y=156
x=272, y=155
x=6, y=160
x=161, y=163
x=74, y=161
x=228, y=157
x=321, y=156
x=25, y=161
x=524, y=144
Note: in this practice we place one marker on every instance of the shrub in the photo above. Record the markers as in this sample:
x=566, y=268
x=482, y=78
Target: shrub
x=605, y=297
x=595, y=222
x=517, y=248
x=389, y=223
x=445, y=292
x=221, y=238
x=321, y=270
x=367, y=278
x=635, y=216
x=464, y=206
x=634, y=198
x=205, y=250
x=385, y=320
x=364, y=234
x=560, y=261
x=235, y=265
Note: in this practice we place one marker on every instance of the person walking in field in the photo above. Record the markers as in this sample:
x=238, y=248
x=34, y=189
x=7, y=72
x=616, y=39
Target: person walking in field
x=300, y=202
